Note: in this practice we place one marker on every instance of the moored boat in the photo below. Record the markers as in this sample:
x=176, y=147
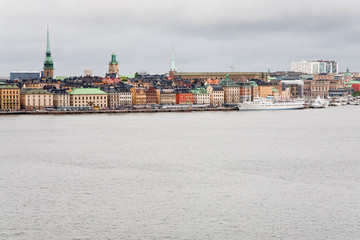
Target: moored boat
x=319, y=103
x=270, y=104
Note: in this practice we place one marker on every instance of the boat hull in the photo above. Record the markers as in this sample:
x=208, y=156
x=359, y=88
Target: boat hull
x=258, y=107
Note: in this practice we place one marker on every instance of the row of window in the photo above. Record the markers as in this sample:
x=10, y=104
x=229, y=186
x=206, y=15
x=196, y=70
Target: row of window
x=89, y=98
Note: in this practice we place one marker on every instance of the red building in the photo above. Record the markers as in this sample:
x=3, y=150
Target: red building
x=184, y=97
x=151, y=96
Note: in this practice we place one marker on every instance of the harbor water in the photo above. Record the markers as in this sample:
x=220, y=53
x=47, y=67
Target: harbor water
x=194, y=175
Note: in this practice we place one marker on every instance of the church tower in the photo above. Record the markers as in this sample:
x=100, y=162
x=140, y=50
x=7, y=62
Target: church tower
x=113, y=66
x=48, y=63
x=172, y=65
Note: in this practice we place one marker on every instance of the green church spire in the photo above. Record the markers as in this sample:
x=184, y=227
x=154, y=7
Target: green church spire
x=48, y=63
x=113, y=59
x=172, y=66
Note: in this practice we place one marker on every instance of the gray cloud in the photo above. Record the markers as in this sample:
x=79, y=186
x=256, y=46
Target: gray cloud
x=208, y=35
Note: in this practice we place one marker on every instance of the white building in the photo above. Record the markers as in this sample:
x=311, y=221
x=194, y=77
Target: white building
x=201, y=96
x=216, y=95
x=315, y=67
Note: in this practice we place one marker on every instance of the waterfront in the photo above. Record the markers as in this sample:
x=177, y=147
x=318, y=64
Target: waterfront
x=193, y=175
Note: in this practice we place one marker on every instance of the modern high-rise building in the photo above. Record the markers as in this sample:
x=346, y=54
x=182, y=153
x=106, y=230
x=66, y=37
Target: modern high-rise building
x=315, y=67
x=48, y=63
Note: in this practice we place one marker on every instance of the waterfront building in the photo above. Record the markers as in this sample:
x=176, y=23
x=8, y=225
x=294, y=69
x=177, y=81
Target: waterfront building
x=231, y=91
x=265, y=90
x=355, y=85
x=286, y=92
x=315, y=67
x=24, y=75
x=216, y=95
x=88, y=97
x=320, y=88
x=138, y=95
x=61, y=97
x=113, y=67
x=9, y=97
x=31, y=99
x=166, y=96
x=151, y=96
x=254, y=90
x=113, y=97
x=245, y=91
x=184, y=97
x=201, y=96
x=125, y=96
x=48, y=63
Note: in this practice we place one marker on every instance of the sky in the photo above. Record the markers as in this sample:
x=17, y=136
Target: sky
x=207, y=35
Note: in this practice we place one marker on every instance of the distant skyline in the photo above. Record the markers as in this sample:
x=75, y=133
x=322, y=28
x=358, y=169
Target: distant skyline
x=211, y=35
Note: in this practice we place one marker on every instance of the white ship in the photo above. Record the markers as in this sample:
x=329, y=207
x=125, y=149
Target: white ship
x=270, y=104
x=319, y=103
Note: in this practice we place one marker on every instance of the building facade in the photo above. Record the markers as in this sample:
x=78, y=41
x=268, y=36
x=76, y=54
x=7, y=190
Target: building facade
x=88, y=97
x=166, y=96
x=216, y=95
x=184, y=97
x=138, y=95
x=151, y=96
x=61, y=98
x=231, y=91
x=9, y=97
x=201, y=96
x=36, y=99
x=315, y=67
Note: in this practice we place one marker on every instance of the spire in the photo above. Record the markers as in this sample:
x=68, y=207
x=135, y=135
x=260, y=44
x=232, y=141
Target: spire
x=172, y=66
x=48, y=41
x=48, y=62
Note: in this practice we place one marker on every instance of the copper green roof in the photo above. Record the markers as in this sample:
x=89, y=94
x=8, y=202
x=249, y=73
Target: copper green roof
x=253, y=83
x=199, y=90
x=349, y=84
x=274, y=90
x=8, y=87
x=87, y=91
x=113, y=59
x=60, y=78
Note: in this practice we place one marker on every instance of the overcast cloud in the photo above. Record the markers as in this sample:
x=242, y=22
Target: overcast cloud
x=208, y=35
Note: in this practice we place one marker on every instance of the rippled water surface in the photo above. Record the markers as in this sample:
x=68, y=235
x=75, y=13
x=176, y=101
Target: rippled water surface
x=209, y=175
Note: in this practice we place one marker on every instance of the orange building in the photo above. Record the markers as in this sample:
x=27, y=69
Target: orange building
x=183, y=97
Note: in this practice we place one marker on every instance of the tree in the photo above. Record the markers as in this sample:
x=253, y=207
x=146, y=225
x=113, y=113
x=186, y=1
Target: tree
x=136, y=75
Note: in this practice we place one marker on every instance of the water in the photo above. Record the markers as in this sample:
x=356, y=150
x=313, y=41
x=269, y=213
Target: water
x=200, y=175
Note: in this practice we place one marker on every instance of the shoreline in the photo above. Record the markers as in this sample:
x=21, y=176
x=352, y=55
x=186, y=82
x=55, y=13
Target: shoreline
x=144, y=110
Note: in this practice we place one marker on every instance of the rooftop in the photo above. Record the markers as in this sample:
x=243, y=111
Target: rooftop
x=87, y=91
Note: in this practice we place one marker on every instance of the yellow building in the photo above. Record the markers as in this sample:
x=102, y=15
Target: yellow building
x=9, y=97
x=265, y=91
x=166, y=97
x=138, y=95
